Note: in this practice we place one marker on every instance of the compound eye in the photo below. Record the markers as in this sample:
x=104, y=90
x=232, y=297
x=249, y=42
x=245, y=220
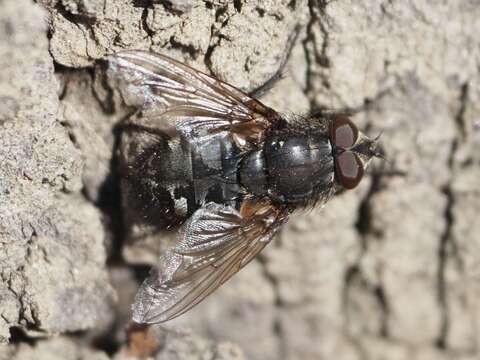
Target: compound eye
x=349, y=169
x=344, y=133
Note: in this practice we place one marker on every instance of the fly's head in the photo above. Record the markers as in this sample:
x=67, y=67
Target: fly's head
x=352, y=151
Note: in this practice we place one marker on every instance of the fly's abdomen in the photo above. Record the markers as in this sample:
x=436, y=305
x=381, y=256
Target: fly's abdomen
x=157, y=182
x=215, y=163
x=167, y=179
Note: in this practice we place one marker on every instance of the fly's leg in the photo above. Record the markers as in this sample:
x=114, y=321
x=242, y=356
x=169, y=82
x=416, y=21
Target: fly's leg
x=280, y=73
x=332, y=113
x=367, y=105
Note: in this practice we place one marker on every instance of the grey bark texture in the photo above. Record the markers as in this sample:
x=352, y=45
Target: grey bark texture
x=390, y=270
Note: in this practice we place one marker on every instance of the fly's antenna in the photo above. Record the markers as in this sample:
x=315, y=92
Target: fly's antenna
x=378, y=150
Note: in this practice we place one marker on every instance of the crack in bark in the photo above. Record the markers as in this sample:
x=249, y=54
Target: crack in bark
x=354, y=274
x=448, y=249
x=81, y=18
x=442, y=297
x=144, y=18
x=237, y=4
x=319, y=20
x=363, y=224
x=101, y=89
x=83, y=22
x=215, y=37
x=317, y=12
x=18, y=336
x=188, y=49
x=355, y=278
x=277, y=327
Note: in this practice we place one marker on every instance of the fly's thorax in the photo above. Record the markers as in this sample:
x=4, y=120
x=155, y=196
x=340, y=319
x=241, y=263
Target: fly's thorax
x=252, y=173
x=299, y=167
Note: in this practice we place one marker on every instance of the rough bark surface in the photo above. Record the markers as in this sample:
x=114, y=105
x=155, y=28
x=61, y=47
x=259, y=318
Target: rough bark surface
x=389, y=270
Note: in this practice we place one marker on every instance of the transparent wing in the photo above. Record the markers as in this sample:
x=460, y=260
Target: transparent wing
x=169, y=92
x=215, y=243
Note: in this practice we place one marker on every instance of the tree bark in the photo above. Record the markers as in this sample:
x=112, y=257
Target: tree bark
x=388, y=270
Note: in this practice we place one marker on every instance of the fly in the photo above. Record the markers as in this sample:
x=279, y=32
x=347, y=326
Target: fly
x=201, y=154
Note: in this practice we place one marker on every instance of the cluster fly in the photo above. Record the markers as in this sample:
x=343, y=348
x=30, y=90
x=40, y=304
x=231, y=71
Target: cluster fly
x=205, y=156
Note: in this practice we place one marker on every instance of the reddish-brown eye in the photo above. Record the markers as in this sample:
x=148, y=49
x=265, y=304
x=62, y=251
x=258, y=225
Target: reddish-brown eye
x=349, y=169
x=344, y=133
